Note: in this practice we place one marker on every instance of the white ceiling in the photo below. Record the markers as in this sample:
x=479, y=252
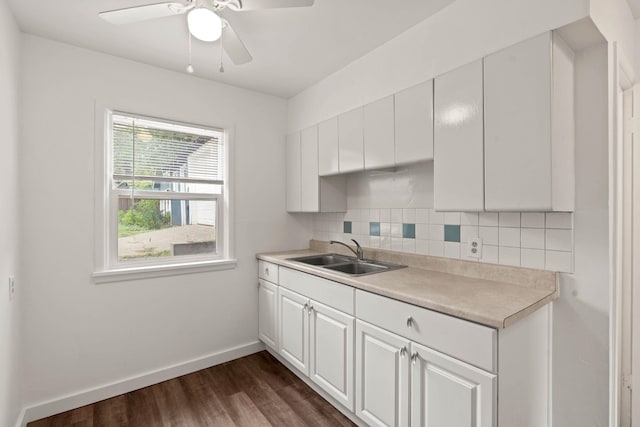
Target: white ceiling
x=635, y=7
x=292, y=48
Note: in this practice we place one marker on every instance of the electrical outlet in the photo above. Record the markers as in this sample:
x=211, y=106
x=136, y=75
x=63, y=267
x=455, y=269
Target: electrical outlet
x=474, y=249
x=12, y=288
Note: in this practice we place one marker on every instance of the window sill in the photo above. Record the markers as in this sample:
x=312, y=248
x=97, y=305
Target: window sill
x=137, y=273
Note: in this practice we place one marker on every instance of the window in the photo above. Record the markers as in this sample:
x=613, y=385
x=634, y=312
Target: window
x=165, y=193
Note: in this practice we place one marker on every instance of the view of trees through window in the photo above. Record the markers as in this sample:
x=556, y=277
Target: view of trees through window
x=168, y=180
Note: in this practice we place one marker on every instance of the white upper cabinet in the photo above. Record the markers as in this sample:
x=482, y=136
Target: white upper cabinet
x=328, y=147
x=414, y=124
x=351, y=141
x=306, y=191
x=379, y=134
x=458, y=140
x=292, y=154
x=309, y=180
x=529, y=126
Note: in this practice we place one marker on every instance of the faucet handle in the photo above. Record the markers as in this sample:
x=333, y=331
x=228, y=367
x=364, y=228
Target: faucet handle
x=359, y=251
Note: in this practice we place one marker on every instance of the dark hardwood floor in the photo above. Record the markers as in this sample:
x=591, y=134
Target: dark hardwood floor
x=256, y=390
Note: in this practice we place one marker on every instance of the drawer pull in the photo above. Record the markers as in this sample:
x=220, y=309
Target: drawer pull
x=266, y=271
x=403, y=351
x=414, y=358
x=410, y=322
x=306, y=305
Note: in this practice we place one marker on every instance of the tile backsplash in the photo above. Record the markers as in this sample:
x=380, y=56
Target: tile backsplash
x=527, y=239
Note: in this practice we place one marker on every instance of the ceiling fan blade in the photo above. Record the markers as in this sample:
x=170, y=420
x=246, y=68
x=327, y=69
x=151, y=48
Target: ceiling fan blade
x=234, y=47
x=271, y=4
x=143, y=13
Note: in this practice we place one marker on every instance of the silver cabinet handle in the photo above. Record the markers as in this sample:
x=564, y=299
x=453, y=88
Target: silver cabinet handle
x=311, y=309
x=305, y=307
x=403, y=351
x=414, y=357
x=266, y=271
x=410, y=322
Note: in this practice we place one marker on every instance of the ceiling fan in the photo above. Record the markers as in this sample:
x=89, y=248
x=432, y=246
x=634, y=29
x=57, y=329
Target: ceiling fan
x=204, y=20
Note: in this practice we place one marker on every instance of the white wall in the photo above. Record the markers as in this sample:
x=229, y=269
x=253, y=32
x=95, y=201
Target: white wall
x=581, y=315
x=463, y=32
x=10, y=313
x=81, y=335
x=616, y=23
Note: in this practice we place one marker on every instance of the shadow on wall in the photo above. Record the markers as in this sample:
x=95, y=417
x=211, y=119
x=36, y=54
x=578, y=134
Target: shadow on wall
x=580, y=357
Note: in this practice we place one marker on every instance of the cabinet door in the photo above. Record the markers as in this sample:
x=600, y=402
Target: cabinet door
x=294, y=329
x=309, y=185
x=458, y=140
x=331, y=352
x=414, y=124
x=268, y=313
x=517, y=83
x=379, y=135
x=350, y=141
x=382, y=376
x=328, y=147
x=446, y=392
x=292, y=165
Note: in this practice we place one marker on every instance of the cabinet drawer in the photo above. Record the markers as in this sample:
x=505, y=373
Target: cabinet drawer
x=325, y=291
x=268, y=271
x=467, y=341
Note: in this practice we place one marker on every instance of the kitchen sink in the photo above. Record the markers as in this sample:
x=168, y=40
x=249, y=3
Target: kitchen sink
x=323, y=260
x=350, y=266
x=358, y=268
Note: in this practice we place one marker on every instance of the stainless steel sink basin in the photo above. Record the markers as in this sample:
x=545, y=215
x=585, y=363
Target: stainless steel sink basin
x=346, y=264
x=325, y=259
x=358, y=268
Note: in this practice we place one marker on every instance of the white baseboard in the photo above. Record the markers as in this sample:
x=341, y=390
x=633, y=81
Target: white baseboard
x=106, y=391
x=21, y=421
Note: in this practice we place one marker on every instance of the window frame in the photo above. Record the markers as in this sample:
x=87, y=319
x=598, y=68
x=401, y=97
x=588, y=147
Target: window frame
x=108, y=268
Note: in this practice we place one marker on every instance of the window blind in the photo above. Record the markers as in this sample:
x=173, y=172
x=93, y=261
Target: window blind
x=147, y=152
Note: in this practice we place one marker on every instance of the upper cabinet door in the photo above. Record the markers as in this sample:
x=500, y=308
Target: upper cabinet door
x=292, y=166
x=309, y=170
x=379, y=149
x=414, y=124
x=528, y=141
x=458, y=140
x=328, y=147
x=350, y=141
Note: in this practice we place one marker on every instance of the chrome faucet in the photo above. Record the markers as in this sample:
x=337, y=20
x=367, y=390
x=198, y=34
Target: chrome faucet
x=358, y=251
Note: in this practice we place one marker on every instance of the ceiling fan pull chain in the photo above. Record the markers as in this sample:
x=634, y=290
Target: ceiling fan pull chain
x=189, y=67
x=221, y=69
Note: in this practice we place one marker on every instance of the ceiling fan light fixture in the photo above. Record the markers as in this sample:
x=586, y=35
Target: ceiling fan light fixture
x=204, y=24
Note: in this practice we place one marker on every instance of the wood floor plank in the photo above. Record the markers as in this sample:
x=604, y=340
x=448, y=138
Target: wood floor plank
x=111, y=412
x=245, y=413
x=207, y=407
x=256, y=390
x=142, y=408
x=306, y=407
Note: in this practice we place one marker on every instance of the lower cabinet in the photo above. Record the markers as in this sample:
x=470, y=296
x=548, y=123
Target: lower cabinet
x=294, y=329
x=446, y=392
x=318, y=341
x=267, y=313
x=382, y=376
x=401, y=383
x=395, y=364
